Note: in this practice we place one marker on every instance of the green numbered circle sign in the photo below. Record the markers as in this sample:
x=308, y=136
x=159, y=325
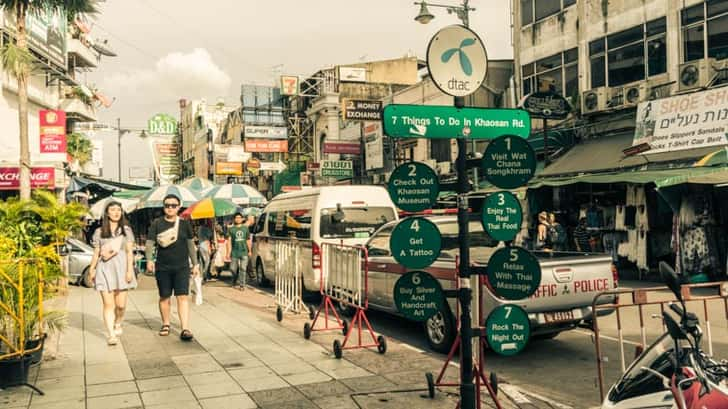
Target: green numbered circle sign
x=508, y=329
x=502, y=216
x=509, y=162
x=415, y=242
x=418, y=295
x=413, y=187
x=513, y=273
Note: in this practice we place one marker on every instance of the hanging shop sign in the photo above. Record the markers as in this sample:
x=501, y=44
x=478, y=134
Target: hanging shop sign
x=361, y=110
x=52, y=131
x=418, y=296
x=374, y=149
x=509, y=162
x=414, y=187
x=166, y=161
x=229, y=168
x=265, y=132
x=688, y=121
x=162, y=124
x=546, y=105
x=508, y=329
x=352, y=74
x=415, y=242
x=290, y=85
x=502, y=216
x=457, y=61
x=44, y=177
x=337, y=168
x=347, y=148
x=267, y=146
x=513, y=273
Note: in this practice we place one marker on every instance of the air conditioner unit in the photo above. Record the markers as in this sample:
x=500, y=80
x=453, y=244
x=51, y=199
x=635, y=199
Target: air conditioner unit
x=594, y=100
x=696, y=74
x=629, y=95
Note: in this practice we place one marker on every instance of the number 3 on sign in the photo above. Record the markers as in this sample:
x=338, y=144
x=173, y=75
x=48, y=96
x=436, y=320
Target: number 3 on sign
x=501, y=199
x=415, y=226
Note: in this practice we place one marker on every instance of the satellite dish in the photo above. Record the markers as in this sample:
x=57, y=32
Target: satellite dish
x=103, y=48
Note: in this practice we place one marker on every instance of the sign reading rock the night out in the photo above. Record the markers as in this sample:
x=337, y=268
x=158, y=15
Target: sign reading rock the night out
x=508, y=329
x=413, y=187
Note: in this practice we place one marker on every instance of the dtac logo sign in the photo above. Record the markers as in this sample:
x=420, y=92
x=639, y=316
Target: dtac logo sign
x=457, y=61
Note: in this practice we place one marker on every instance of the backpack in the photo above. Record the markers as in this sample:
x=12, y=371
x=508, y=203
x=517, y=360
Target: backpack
x=556, y=234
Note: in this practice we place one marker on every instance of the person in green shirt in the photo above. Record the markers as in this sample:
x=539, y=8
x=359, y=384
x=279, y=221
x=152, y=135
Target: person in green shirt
x=238, y=248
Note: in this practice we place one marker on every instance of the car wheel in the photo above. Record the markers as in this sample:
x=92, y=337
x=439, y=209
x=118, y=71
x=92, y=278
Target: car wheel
x=260, y=275
x=440, y=331
x=85, y=280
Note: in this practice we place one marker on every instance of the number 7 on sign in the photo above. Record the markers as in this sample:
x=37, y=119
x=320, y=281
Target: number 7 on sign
x=508, y=311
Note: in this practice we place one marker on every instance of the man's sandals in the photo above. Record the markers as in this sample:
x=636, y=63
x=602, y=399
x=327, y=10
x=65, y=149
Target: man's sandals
x=185, y=335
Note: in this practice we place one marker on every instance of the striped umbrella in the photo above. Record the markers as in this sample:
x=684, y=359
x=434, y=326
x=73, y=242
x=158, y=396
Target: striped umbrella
x=209, y=208
x=718, y=157
x=128, y=205
x=197, y=184
x=243, y=195
x=155, y=197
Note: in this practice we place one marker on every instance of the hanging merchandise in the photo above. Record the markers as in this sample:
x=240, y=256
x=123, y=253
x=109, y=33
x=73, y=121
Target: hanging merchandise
x=630, y=217
x=641, y=249
x=619, y=218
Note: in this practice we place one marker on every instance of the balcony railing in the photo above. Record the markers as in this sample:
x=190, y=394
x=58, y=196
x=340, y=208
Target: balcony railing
x=77, y=109
x=80, y=54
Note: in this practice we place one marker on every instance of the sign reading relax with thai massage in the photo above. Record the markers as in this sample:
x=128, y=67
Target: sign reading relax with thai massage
x=686, y=121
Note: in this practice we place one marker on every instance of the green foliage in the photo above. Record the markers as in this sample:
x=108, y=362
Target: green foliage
x=16, y=60
x=79, y=147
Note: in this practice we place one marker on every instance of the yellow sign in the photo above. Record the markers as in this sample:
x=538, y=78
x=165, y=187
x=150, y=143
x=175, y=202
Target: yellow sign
x=229, y=168
x=289, y=85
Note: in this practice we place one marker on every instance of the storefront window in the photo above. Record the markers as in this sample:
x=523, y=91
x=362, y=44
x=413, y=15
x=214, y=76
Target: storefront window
x=545, y=8
x=657, y=56
x=718, y=37
x=558, y=72
x=535, y=10
x=705, y=24
x=626, y=65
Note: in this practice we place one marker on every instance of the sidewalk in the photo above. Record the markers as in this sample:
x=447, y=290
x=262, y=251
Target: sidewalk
x=241, y=358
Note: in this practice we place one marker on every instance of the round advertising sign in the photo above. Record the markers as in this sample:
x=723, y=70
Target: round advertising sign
x=513, y=273
x=502, y=216
x=415, y=242
x=508, y=329
x=509, y=162
x=413, y=187
x=418, y=295
x=457, y=61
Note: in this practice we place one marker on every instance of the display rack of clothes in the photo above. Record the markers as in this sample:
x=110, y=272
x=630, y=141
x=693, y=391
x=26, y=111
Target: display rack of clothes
x=693, y=238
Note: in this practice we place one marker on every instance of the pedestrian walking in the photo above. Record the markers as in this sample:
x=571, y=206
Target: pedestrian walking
x=220, y=256
x=172, y=238
x=239, y=243
x=112, y=267
x=204, y=248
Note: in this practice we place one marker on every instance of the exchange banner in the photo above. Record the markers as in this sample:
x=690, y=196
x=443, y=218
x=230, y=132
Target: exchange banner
x=266, y=132
x=44, y=177
x=229, y=168
x=687, y=121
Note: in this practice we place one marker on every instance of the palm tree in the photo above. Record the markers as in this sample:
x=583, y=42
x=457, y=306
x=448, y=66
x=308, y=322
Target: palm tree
x=18, y=61
x=79, y=147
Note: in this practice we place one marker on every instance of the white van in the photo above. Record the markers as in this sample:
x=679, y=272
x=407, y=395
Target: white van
x=327, y=214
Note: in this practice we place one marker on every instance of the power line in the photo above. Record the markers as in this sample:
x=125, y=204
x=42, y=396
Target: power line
x=139, y=50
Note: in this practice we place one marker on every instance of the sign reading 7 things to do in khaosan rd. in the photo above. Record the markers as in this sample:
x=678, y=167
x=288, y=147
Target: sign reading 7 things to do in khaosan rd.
x=509, y=162
x=415, y=242
x=413, y=187
x=502, y=216
x=418, y=296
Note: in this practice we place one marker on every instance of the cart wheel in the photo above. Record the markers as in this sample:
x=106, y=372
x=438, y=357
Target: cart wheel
x=430, y=385
x=494, y=382
x=381, y=344
x=279, y=314
x=311, y=312
x=345, y=325
x=307, y=330
x=338, y=352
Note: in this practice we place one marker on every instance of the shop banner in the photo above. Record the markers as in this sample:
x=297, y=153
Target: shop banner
x=166, y=162
x=229, y=168
x=267, y=146
x=337, y=168
x=689, y=121
x=356, y=109
x=266, y=132
x=374, y=145
x=39, y=178
x=46, y=31
x=347, y=148
x=52, y=131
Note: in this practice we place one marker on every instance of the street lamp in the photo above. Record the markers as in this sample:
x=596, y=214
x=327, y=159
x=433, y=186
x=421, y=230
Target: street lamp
x=460, y=11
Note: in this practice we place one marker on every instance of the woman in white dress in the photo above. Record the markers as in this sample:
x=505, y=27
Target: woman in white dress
x=112, y=267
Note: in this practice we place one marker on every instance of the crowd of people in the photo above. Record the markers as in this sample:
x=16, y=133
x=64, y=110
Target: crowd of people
x=552, y=236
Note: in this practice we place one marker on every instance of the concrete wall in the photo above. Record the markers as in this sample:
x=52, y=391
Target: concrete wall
x=401, y=71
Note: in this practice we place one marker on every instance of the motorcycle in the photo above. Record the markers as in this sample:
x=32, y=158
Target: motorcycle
x=674, y=372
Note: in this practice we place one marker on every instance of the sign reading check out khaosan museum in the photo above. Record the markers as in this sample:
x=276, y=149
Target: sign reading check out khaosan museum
x=687, y=121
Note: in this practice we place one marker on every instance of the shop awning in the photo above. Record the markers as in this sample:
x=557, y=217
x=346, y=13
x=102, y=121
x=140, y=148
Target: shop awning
x=702, y=176
x=627, y=176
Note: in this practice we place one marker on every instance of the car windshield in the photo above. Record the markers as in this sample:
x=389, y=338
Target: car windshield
x=353, y=222
x=481, y=244
x=639, y=382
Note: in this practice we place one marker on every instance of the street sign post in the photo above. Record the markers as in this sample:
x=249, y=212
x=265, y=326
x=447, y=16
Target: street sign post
x=415, y=242
x=508, y=329
x=418, y=296
x=513, y=273
x=457, y=61
x=413, y=187
x=502, y=216
x=509, y=162
x=446, y=122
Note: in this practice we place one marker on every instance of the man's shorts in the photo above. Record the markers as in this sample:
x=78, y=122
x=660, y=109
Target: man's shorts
x=175, y=281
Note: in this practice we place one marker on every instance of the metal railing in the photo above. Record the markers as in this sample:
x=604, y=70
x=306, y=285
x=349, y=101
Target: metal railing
x=288, y=278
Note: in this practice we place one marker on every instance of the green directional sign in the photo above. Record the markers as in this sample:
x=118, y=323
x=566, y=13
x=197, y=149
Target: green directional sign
x=413, y=187
x=418, y=296
x=502, y=216
x=508, y=329
x=429, y=121
x=513, y=273
x=509, y=162
x=415, y=242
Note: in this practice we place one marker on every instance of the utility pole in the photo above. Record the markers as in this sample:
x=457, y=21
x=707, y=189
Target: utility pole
x=118, y=146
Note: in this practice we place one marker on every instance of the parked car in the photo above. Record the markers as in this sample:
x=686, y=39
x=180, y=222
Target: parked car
x=569, y=282
x=79, y=260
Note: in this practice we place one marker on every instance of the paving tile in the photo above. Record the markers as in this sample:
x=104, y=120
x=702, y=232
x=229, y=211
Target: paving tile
x=241, y=401
x=306, y=378
x=59, y=394
x=318, y=390
x=154, y=368
x=216, y=389
x=106, y=389
x=300, y=404
x=166, y=382
x=293, y=367
x=176, y=405
x=208, y=378
x=336, y=402
x=128, y=400
x=250, y=373
x=196, y=363
x=15, y=397
x=60, y=372
x=416, y=377
x=165, y=396
x=262, y=383
x=342, y=373
x=106, y=373
x=59, y=383
x=280, y=395
x=368, y=384
x=67, y=404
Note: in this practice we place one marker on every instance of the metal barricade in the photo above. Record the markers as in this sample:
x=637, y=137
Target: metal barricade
x=652, y=301
x=288, y=279
x=344, y=279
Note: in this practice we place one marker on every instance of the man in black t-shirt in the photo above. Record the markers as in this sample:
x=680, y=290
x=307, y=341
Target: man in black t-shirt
x=172, y=265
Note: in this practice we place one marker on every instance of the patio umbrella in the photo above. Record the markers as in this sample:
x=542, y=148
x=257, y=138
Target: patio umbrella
x=97, y=209
x=197, y=184
x=155, y=197
x=243, y=195
x=718, y=157
x=208, y=208
x=252, y=211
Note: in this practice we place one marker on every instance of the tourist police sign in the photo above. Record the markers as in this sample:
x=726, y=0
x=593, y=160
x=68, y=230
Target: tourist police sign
x=457, y=61
x=413, y=187
x=418, y=296
x=513, y=273
x=415, y=242
x=502, y=216
x=508, y=329
x=428, y=121
x=509, y=162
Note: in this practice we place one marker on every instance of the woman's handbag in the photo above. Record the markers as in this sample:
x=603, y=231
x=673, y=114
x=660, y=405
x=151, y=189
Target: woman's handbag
x=111, y=248
x=169, y=236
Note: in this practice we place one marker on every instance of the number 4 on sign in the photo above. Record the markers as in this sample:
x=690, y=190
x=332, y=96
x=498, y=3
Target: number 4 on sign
x=415, y=226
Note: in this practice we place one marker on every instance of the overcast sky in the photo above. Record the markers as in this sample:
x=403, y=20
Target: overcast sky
x=172, y=49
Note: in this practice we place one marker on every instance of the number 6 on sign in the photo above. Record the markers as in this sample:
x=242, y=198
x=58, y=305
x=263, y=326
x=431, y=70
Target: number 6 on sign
x=416, y=279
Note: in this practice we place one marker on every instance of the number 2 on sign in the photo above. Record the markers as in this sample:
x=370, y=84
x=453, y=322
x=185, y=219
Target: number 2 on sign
x=413, y=171
x=415, y=226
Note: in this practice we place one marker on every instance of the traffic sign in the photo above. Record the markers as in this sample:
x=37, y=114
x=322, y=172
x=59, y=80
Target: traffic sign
x=502, y=216
x=418, y=296
x=413, y=187
x=415, y=242
x=436, y=122
x=513, y=273
x=509, y=162
x=457, y=61
x=508, y=329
